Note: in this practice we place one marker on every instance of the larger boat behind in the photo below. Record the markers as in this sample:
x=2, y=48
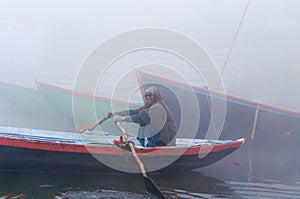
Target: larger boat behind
x=272, y=133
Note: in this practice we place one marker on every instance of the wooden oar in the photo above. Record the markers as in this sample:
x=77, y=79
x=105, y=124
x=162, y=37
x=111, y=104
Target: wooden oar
x=94, y=125
x=150, y=185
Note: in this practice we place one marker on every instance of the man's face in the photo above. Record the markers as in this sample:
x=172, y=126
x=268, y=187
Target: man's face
x=150, y=98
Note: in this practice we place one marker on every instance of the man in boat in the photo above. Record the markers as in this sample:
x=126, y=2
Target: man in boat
x=155, y=119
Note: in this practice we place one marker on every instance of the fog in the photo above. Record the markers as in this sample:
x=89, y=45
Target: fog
x=50, y=40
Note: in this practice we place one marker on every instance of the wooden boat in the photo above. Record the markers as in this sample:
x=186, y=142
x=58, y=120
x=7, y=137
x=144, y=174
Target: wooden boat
x=27, y=108
x=34, y=150
x=254, y=120
x=61, y=100
x=272, y=134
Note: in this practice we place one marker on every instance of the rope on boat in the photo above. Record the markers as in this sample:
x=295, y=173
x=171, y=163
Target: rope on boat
x=233, y=43
x=255, y=122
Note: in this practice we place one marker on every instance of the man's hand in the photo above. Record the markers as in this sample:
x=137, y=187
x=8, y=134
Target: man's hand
x=110, y=114
x=120, y=120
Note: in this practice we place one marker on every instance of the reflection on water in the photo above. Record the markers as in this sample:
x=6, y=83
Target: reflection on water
x=265, y=190
x=118, y=185
x=107, y=194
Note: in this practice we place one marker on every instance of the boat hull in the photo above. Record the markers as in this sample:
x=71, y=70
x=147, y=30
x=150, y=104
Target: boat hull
x=22, y=153
x=79, y=108
x=272, y=134
x=31, y=160
x=27, y=108
x=244, y=118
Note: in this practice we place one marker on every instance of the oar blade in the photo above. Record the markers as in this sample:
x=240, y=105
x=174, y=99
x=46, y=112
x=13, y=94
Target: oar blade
x=152, y=188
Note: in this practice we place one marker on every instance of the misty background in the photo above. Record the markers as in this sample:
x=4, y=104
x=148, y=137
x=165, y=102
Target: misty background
x=49, y=41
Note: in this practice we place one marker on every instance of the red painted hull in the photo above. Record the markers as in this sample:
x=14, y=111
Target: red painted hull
x=21, y=153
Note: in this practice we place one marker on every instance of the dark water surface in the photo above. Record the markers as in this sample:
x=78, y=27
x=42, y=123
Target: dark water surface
x=195, y=184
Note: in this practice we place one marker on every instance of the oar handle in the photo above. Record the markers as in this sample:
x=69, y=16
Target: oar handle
x=149, y=184
x=136, y=157
x=95, y=124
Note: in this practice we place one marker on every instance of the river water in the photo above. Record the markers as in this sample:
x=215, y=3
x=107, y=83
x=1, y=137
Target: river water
x=201, y=183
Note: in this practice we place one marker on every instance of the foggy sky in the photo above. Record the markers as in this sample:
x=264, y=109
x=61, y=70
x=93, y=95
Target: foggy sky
x=50, y=40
